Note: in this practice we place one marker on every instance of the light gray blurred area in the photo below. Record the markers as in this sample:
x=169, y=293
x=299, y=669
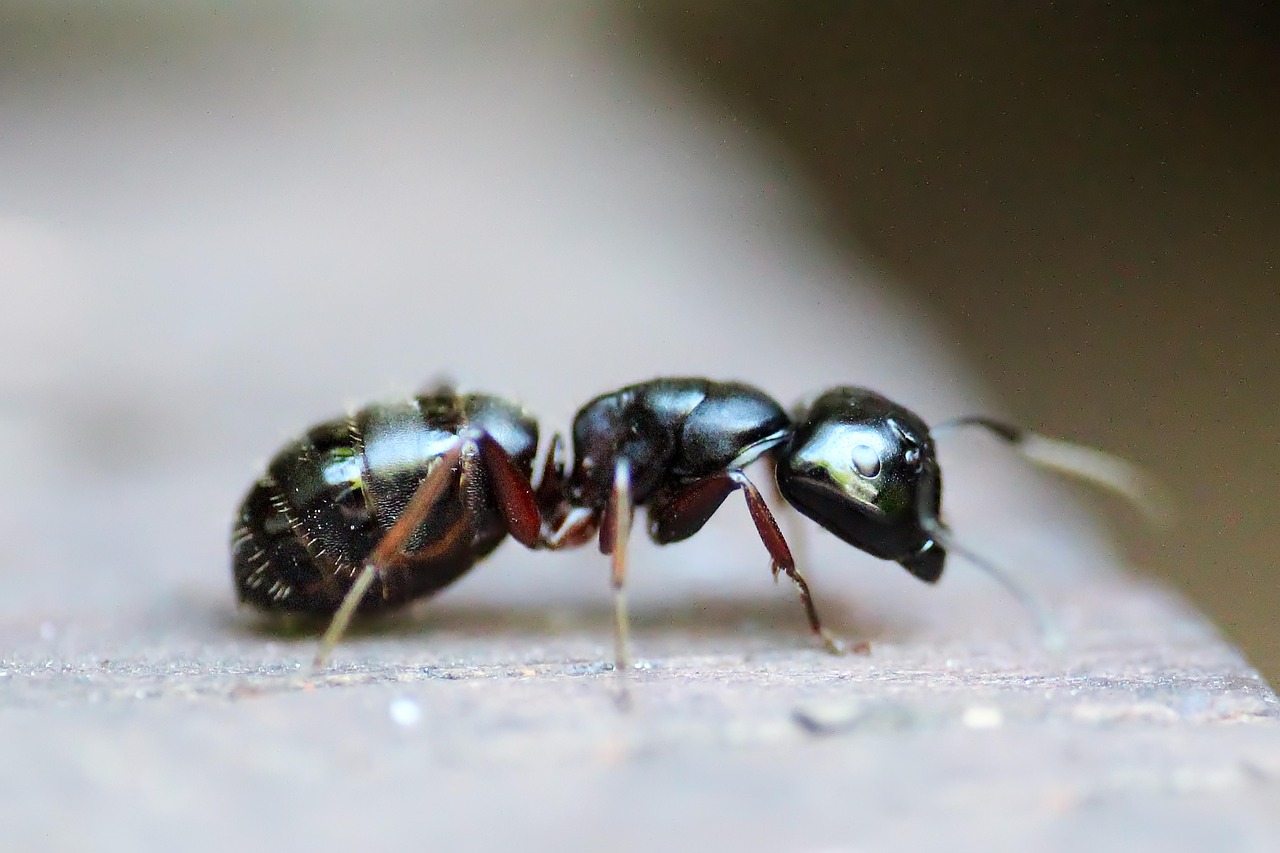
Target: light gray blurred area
x=218, y=226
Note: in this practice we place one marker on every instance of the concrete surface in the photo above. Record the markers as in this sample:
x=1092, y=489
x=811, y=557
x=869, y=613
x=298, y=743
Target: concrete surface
x=200, y=262
x=466, y=727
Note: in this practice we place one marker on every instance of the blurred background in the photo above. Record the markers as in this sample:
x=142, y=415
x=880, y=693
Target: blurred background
x=224, y=220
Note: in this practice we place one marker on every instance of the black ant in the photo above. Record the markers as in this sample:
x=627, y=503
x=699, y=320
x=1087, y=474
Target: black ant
x=414, y=494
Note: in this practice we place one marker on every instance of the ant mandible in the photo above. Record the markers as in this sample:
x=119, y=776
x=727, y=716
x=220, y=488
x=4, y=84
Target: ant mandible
x=413, y=494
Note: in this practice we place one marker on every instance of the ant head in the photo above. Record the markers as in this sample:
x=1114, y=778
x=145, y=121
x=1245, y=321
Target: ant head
x=865, y=468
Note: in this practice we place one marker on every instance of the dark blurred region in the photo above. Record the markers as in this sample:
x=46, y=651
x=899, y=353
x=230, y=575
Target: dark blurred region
x=1088, y=196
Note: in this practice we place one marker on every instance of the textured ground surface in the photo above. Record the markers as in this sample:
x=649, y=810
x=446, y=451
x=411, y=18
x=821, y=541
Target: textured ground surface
x=219, y=239
x=499, y=729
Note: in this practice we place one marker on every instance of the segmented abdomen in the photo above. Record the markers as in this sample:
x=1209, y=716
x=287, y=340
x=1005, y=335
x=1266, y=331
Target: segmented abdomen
x=305, y=528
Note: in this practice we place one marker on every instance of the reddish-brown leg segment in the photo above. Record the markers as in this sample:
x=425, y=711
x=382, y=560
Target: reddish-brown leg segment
x=513, y=491
x=680, y=514
x=515, y=499
x=379, y=561
x=550, y=493
x=563, y=526
x=576, y=528
x=789, y=519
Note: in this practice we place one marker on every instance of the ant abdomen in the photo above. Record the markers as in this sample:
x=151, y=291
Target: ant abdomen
x=328, y=498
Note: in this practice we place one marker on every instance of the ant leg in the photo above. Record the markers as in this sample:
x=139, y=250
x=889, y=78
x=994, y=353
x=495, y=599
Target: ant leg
x=379, y=561
x=791, y=519
x=615, y=531
x=563, y=526
x=680, y=515
x=550, y=492
x=1102, y=469
x=577, y=528
x=771, y=536
x=512, y=489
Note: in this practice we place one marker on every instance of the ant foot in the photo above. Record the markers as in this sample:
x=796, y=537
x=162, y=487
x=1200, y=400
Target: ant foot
x=836, y=646
x=833, y=644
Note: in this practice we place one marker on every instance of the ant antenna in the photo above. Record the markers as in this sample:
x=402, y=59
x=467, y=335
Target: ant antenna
x=1102, y=469
x=1051, y=633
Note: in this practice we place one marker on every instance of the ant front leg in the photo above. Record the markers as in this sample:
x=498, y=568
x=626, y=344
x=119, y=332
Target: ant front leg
x=679, y=514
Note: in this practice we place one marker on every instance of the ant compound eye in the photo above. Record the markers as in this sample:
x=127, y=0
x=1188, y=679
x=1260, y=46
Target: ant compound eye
x=866, y=460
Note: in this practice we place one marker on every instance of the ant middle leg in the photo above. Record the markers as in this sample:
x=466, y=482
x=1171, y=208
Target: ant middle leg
x=615, y=533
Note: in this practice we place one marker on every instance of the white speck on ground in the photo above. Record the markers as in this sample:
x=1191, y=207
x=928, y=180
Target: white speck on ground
x=404, y=712
x=983, y=717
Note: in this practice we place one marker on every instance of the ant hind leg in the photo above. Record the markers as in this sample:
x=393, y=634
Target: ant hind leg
x=380, y=561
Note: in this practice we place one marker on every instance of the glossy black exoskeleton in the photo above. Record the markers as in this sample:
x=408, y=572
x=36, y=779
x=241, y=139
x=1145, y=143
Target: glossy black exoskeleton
x=860, y=465
x=865, y=468
x=411, y=493
x=856, y=463
x=678, y=447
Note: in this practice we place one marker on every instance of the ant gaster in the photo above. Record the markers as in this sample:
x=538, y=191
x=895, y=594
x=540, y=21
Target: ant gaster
x=414, y=494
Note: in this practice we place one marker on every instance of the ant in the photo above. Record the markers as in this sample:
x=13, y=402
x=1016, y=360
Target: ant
x=413, y=494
